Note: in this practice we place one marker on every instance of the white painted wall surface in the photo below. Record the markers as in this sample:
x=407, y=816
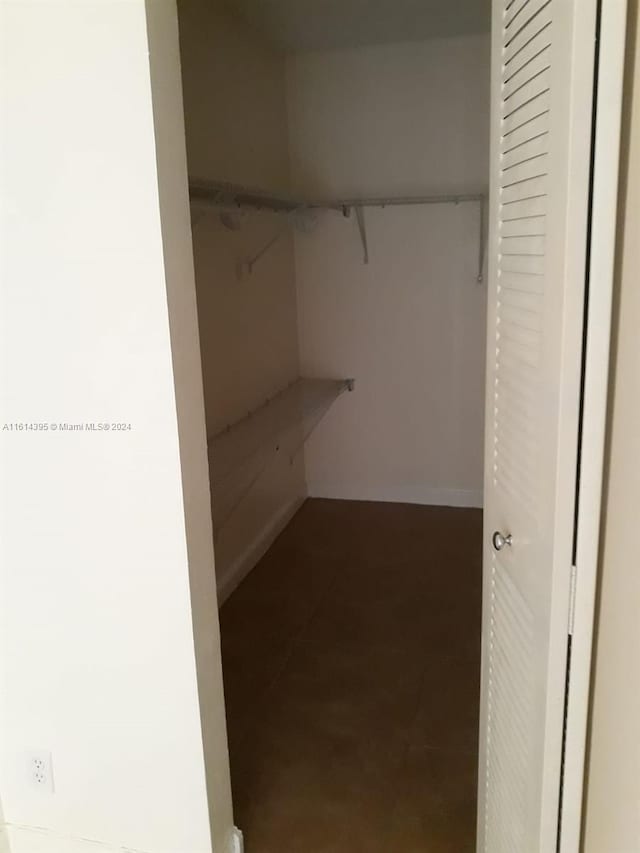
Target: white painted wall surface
x=410, y=327
x=236, y=125
x=612, y=823
x=96, y=646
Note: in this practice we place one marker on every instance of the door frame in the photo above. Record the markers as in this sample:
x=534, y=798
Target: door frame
x=610, y=53
x=594, y=406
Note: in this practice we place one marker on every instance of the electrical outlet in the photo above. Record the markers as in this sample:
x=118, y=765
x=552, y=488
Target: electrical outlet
x=40, y=770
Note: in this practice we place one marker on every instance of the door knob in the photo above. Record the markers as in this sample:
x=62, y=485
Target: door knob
x=500, y=540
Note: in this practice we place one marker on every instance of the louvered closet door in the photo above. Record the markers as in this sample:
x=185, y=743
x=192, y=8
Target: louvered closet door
x=542, y=94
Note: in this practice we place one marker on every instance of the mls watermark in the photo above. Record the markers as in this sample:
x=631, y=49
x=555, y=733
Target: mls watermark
x=65, y=426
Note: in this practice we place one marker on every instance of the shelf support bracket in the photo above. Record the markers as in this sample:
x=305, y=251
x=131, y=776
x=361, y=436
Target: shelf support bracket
x=362, y=228
x=251, y=262
x=302, y=219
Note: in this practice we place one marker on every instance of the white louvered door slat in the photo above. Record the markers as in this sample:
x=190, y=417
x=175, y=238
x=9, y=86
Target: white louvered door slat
x=542, y=93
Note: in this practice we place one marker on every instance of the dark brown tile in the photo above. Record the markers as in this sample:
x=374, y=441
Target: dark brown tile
x=247, y=680
x=452, y=630
x=360, y=693
x=449, y=708
x=396, y=624
x=308, y=790
x=352, y=647
x=316, y=823
x=436, y=807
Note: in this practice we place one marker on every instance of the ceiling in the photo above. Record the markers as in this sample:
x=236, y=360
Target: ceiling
x=299, y=25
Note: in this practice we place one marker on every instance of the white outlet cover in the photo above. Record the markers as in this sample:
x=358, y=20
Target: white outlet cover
x=39, y=768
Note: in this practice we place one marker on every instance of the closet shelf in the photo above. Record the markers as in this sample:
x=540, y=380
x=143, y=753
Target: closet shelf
x=221, y=194
x=227, y=195
x=240, y=453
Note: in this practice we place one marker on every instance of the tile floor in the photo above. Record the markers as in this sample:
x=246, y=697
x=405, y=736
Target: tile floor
x=352, y=663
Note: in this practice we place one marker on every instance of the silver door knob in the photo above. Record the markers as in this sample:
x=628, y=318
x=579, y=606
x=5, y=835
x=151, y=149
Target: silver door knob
x=500, y=540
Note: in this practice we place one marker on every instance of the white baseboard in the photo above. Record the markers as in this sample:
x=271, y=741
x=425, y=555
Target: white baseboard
x=236, y=842
x=426, y=495
x=256, y=549
x=28, y=839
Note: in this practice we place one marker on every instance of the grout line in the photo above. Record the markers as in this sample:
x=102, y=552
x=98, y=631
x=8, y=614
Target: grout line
x=294, y=643
x=404, y=748
x=295, y=640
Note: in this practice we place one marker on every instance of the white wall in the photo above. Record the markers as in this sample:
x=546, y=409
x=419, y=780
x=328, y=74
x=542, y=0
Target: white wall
x=410, y=327
x=613, y=794
x=236, y=125
x=96, y=652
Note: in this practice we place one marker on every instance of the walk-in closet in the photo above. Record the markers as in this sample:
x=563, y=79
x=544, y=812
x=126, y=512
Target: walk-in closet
x=338, y=165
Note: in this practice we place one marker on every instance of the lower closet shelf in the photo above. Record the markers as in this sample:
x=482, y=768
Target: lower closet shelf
x=241, y=453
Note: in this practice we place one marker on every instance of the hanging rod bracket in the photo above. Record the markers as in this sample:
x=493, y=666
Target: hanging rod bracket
x=362, y=228
x=247, y=265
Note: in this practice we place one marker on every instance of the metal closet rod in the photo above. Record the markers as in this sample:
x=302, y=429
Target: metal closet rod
x=359, y=204
x=232, y=195
x=223, y=194
x=390, y=201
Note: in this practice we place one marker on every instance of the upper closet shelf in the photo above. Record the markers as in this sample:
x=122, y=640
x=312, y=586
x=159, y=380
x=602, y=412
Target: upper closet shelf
x=239, y=454
x=222, y=194
x=226, y=195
